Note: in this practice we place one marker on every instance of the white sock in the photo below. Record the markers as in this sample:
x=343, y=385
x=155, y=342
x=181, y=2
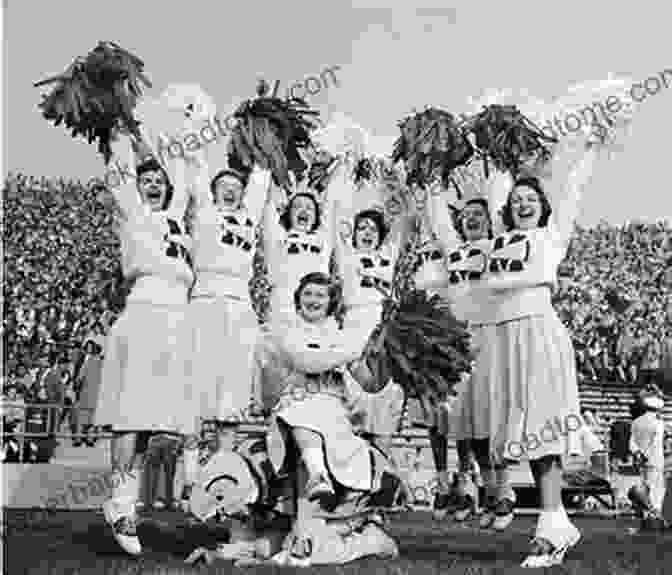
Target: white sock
x=551, y=521
x=488, y=480
x=314, y=460
x=504, y=489
x=125, y=493
x=190, y=461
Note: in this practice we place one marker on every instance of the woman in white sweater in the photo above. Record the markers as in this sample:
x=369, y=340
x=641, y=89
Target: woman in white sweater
x=228, y=213
x=145, y=380
x=367, y=249
x=526, y=355
x=311, y=418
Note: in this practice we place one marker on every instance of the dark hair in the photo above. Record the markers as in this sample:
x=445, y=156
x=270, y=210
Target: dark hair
x=321, y=279
x=484, y=204
x=533, y=183
x=285, y=218
x=243, y=178
x=377, y=218
x=151, y=165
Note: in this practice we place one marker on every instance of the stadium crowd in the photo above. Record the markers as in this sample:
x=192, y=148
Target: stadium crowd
x=63, y=288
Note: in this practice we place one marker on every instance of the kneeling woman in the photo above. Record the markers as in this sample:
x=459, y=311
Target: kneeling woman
x=310, y=425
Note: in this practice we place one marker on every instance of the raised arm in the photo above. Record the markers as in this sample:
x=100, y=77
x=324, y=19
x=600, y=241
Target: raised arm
x=200, y=187
x=257, y=193
x=496, y=191
x=274, y=233
x=570, y=173
x=339, y=186
x=440, y=221
x=346, y=261
x=126, y=193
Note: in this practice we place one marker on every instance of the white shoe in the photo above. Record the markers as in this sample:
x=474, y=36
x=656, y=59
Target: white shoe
x=546, y=553
x=386, y=547
x=123, y=523
x=318, y=487
x=504, y=513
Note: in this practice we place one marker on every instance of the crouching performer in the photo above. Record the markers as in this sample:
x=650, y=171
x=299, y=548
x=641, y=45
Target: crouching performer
x=334, y=485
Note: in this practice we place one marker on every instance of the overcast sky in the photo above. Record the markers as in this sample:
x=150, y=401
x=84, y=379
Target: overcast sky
x=391, y=57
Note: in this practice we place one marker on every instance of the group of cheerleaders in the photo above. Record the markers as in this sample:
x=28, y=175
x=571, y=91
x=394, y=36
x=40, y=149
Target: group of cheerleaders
x=189, y=347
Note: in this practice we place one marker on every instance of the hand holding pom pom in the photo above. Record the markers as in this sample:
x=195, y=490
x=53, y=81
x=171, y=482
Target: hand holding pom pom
x=96, y=94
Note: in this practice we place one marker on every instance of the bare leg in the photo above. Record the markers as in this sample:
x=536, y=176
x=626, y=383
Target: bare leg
x=443, y=500
x=170, y=467
x=547, y=473
x=151, y=480
x=312, y=453
x=119, y=510
x=555, y=533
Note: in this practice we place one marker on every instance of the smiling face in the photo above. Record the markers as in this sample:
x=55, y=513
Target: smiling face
x=367, y=235
x=302, y=214
x=153, y=188
x=314, y=302
x=229, y=192
x=475, y=222
x=526, y=208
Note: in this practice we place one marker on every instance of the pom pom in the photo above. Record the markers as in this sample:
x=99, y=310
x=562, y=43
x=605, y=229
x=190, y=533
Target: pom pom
x=96, y=95
x=271, y=133
x=506, y=137
x=588, y=102
x=431, y=145
x=320, y=172
x=181, y=109
x=344, y=138
x=421, y=345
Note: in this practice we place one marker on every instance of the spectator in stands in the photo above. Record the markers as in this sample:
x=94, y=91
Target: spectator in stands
x=650, y=367
x=88, y=385
x=666, y=352
x=12, y=423
x=69, y=400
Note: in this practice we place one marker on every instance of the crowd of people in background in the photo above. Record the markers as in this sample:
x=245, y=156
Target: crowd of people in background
x=614, y=296
x=63, y=288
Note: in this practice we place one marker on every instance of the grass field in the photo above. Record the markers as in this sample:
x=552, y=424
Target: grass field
x=73, y=543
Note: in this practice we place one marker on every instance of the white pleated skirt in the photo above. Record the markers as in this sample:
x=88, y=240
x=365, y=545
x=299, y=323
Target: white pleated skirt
x=347, y=455
x=146, y=382
x=523, y=394
x=225, y=332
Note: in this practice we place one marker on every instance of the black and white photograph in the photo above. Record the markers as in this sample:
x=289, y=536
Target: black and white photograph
x=347, y=287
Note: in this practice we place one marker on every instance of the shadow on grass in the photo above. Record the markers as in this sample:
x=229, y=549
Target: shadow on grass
x=79, y=543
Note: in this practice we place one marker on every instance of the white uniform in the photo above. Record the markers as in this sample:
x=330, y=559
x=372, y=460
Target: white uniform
x=526, y=358
x=647, y=438
x=364, y=275
x=224, y=322
x=290, y=255
x=145, y=383
x=314, y=398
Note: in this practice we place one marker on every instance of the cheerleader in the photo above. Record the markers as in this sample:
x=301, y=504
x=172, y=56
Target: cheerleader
x=297, y=239
x=367, y=249
x=311, y=417
x=145, y=385
x=464, y=251
x=526, y=357
x=228, y=212
x=297, y=242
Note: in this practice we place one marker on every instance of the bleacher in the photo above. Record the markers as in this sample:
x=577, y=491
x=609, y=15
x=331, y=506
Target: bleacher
x=611, y=401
